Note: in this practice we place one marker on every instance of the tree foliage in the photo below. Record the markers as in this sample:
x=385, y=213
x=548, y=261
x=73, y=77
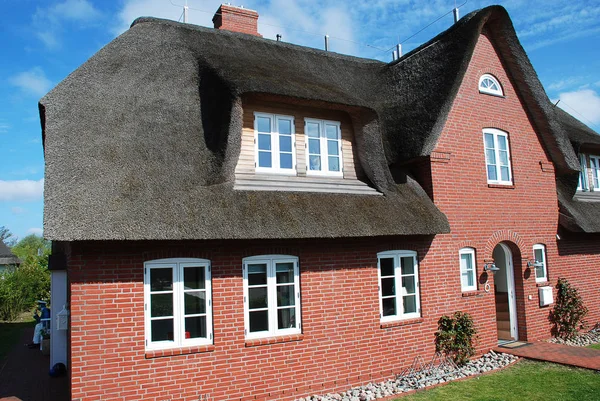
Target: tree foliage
x=569, y=311
x=455, y=337
x=21, y=287
x=6, y=236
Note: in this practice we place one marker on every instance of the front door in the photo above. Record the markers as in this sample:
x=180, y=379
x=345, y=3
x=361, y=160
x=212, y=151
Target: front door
x=504, y=286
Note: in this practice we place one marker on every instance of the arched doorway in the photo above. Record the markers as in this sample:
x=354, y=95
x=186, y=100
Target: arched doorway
x=505, y=294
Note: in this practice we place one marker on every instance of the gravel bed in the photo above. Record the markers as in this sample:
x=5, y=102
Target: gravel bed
x=374, y=391
x=582, y=340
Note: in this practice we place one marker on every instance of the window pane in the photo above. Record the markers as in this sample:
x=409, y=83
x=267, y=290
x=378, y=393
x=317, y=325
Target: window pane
x=161, y=279
x=259, y=321
x=312, y=130
x=503, y=157
x=504, y=174
x=333, y=148
x=490, y=156
x=263, y=124
x=334, y=163
x=331, y=131
x=264, y=159
x=193, y=278
x=161, y=305
x=285, y=160
x=491, y=170
x=389, y=306
x=387, y=266
x=264, y=141
x=257, y=297
x=285, y=143
x=464, y=279
x=539, y=272
x=408, y=265
x=284, y=272
x=257, y=274
x=195, y=327
x=314, y=146
x=285, y=127
x=470, y=278
x=285, y=295
x=408, y=285
x=410, y=304
x=161, y=330
x=315, y=163
x=195, y=302
x=387, y=286
x=286, y=318
x=489, y=141
x=502, y=142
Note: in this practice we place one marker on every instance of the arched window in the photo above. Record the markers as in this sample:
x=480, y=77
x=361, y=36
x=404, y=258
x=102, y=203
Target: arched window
x=490, y=85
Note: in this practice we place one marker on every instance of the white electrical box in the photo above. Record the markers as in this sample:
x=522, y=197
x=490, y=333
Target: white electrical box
x=546, y=297
x=62, y=319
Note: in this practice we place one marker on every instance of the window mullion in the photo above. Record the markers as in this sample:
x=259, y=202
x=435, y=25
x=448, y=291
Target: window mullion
x=275, y=142
x=398, y=284
x=177, y=301
x=272, y=291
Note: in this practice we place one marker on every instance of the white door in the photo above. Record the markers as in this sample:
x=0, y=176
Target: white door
x=512, y=298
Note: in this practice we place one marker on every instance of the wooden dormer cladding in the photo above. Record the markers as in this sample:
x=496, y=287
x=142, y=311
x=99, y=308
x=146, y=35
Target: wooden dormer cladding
x=247, y=178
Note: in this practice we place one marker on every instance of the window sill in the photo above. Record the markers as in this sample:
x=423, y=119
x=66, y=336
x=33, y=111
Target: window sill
x=254, y=342
x=398, y=323
x=543, y=284
x=472, y=293
x=492, y=94
x=159, y=353
x=503, y=186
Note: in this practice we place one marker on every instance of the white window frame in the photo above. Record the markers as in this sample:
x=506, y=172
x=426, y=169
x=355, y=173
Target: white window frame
x=177, y=265
x=544, y=278
x=323, y=148
x=400, y=315
x=497, y=133
x=595, y=167
x=490, y=91
x=466, y=271
x=275, y=152
x=270, y=261
x=583, y=184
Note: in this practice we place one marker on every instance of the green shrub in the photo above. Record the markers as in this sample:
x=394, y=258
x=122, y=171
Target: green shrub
x=455, y=337
x=21, y=287
x=569, y=311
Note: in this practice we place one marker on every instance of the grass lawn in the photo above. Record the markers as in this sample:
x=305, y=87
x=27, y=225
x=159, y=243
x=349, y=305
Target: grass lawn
x=526, y=380
x=10, y=332
x=595, y=346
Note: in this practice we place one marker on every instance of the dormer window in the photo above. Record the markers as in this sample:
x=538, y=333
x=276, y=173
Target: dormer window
x=490, y=85
x=274, y=143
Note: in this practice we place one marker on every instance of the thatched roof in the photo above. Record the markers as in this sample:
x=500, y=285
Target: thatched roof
x=142, y=140
x=7, y=257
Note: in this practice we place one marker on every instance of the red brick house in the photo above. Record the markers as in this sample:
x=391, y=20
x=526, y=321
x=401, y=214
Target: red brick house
x=244, y=219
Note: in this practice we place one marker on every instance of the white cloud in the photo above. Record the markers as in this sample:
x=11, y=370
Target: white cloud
x=583, y=104
x=36, y=230
x=17, y=210
x=32, y=82
x=21, y=190
x=4, y=127
x=48, y=21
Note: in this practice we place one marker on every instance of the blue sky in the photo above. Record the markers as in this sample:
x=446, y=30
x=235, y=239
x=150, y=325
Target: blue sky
x=43, y=41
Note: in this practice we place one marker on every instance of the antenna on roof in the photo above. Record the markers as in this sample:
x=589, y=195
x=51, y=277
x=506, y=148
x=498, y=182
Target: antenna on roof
x=326, y=43
x=185, y=12
x=278, y=36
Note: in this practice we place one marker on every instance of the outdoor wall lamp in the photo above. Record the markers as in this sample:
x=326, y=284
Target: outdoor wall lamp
x=535, y=264
x=490, y=267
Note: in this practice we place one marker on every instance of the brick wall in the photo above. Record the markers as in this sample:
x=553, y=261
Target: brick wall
x=521, y=215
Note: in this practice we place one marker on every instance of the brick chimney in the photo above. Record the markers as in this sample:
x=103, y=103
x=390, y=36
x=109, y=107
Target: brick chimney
x=236, y=19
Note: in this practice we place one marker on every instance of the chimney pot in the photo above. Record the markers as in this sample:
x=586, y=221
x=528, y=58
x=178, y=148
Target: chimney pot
x=236, y=19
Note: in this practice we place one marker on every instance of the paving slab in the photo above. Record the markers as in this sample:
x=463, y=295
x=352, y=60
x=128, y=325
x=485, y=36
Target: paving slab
x=24, y=375
x=558, y=353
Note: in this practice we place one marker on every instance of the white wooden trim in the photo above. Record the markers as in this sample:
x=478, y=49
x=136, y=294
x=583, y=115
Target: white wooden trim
x=324, y=154
x=177, y=265
x=270, y=261
x=583, y=183
x=541, y=247
x=595, y=166
x=275, y=152
x=496, y=133
x=512, y=298
x=489, y=91
x=468, y=251
x=400, y=315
